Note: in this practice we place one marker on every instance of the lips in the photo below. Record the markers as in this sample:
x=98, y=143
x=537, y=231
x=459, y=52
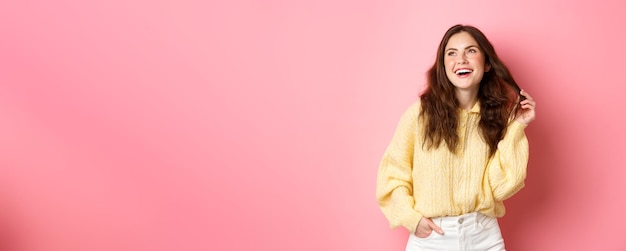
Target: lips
x=464, y=72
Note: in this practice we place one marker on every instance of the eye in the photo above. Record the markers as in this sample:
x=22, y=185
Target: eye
x=451, y=53
x=472, y=50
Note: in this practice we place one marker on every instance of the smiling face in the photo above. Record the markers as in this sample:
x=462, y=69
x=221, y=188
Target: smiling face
x=464, y=62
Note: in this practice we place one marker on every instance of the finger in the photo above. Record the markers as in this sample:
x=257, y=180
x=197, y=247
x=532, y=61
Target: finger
x=527, y=102
x=528, y=107
x=525, y=94
x=436, y=228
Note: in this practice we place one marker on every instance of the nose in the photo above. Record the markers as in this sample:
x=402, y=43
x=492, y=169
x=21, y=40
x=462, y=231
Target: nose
x=461, y=59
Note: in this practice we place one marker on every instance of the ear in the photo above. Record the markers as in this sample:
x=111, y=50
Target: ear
x=487, y=67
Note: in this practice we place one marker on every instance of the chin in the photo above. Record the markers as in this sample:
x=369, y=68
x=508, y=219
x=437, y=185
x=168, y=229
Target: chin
x=466, y=87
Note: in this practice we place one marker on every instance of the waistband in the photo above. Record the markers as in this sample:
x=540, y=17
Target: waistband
x=464, y=219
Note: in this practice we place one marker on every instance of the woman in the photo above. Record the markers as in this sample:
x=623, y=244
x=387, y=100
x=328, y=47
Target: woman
x=459, y=151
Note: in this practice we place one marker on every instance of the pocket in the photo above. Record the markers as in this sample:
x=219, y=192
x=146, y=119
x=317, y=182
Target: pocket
x=487, y=222
x=433, y=241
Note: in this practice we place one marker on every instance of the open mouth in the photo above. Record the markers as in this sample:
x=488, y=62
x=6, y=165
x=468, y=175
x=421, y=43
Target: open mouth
x=463, y=72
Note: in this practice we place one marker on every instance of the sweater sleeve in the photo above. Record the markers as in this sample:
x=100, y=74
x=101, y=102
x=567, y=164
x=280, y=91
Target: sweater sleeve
x=507, y=168
x=394, y=189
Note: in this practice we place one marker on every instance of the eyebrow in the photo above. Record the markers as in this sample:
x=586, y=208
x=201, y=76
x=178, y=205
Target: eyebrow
x=454, y=49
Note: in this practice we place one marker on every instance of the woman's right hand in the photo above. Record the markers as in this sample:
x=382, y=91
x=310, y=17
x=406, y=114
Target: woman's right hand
x=425, y=227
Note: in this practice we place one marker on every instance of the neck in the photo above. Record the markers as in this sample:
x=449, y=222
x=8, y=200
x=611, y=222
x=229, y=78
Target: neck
x=467, y=99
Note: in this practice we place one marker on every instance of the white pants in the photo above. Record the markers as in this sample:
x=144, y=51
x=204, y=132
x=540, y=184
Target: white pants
x=468, y=232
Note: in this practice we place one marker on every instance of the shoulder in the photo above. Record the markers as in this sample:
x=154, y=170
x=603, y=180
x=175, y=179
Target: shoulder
x=415, y=107
x=413, y=111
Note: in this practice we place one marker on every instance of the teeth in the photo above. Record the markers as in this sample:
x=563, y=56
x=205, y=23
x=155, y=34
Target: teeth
x=461, y=71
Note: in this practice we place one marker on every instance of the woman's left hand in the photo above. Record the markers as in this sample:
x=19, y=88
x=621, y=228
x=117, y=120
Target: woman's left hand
x=526, y=112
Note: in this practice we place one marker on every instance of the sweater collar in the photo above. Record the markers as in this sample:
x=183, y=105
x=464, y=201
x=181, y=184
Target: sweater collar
x=475, y=108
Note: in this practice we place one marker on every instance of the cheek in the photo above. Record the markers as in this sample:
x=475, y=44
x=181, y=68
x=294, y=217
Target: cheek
x=448, y=64
x=478, y=59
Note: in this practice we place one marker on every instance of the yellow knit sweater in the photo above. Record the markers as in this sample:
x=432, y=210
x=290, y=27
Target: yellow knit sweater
x=414, y=182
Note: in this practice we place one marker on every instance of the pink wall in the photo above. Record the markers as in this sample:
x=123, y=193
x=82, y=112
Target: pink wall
x=259, y=125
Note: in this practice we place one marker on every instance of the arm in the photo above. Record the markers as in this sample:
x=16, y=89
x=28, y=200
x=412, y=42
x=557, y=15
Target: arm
x=394, y=189
x=507, y=168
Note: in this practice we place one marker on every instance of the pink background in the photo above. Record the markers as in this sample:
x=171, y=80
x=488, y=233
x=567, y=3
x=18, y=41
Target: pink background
x=259, y=125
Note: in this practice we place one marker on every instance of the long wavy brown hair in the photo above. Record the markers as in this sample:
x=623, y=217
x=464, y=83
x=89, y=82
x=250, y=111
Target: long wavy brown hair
x=498, y=95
